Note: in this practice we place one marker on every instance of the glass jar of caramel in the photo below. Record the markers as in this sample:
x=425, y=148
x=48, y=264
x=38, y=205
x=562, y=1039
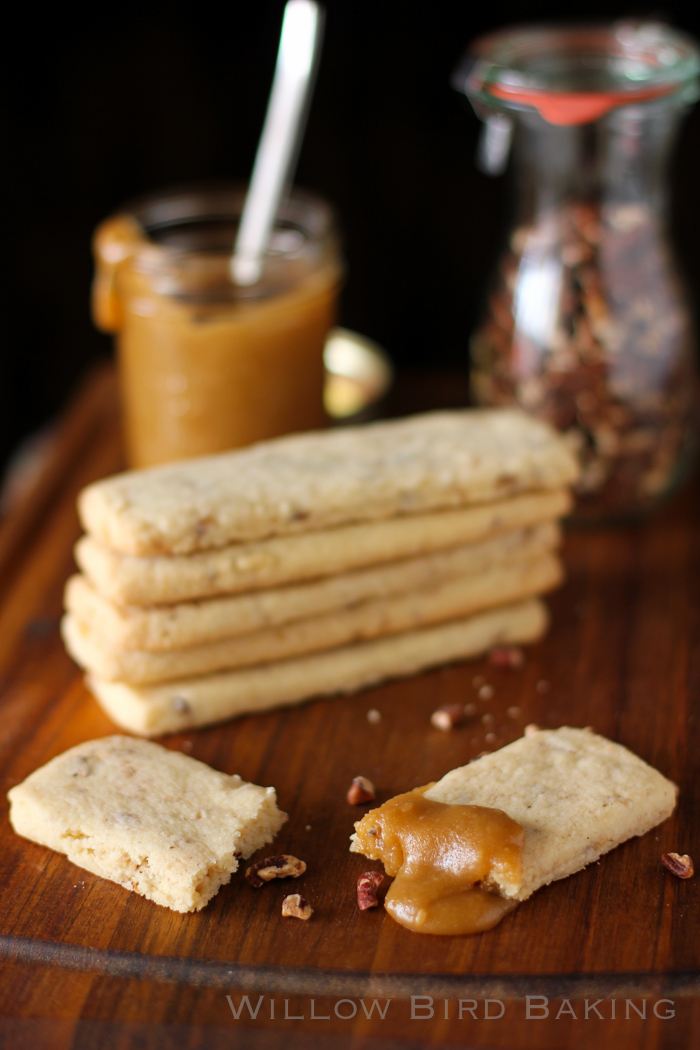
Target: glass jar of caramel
x=587, y=324
x=206, y=365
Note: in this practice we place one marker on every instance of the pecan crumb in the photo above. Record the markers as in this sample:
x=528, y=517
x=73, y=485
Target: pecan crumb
x=677, y=864
x=280, y=867
x=367, y=886
x=447, y=716
x=294, y=906
x=507, y=656
x=361, y=790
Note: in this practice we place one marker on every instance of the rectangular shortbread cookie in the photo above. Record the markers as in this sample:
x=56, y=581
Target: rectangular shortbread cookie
x=322, y=479
x=195, y=623
x=130, y=580
x=576, y=794
x=155, y=821
x=169, y=708
x=449, y=600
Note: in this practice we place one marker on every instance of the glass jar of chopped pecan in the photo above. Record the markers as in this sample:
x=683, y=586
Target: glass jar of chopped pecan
x=587, y=325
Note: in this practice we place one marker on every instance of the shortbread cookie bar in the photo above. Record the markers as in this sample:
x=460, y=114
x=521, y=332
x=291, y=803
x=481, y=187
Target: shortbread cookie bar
x=323, y=479
x=449, y=600
x=128, y=580
x=577, y=795
x=152, y=710
x=153, y=820
x=161, y=629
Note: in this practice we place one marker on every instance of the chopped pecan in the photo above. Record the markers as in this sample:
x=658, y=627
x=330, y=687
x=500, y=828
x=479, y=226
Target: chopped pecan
x=447, y=716
x=678, y=864
x=507, y=656
x=280, y=867
x=367, y=886
x=294, y=906
x=361, y=790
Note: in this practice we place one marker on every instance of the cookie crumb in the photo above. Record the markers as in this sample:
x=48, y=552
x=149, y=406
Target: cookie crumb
x=513, y=712
x=447, y=717
x=543, y=686
x=374, y=716
x=486, y=692
x=470, y=710
x=507, y=656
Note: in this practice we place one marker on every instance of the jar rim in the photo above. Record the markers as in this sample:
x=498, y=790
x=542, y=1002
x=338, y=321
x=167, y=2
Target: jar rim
x=185, y=236
x=223, y=201
x=615, y=63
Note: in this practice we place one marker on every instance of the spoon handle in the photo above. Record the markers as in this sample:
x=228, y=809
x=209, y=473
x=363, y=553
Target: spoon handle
x=300, y=43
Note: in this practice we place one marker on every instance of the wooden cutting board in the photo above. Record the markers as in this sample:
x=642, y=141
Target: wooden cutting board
x=623, y=656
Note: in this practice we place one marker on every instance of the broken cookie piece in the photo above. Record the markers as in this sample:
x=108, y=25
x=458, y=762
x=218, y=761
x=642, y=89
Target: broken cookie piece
x=155, y=821
x=467, y=849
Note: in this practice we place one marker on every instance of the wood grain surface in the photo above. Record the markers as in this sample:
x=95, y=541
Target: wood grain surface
x=87, y=964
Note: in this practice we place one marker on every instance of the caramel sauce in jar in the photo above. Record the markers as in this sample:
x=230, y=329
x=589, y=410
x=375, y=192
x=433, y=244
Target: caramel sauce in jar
x=205, y=365
x=444, y=859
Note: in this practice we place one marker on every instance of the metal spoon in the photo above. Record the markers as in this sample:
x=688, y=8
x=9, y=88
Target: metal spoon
x=297, y=58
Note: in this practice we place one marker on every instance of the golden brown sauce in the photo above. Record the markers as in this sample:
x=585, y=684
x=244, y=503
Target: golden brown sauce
x=443, y=857
x=199, y=375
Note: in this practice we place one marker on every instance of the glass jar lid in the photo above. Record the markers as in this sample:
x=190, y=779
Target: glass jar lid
x=576, y=74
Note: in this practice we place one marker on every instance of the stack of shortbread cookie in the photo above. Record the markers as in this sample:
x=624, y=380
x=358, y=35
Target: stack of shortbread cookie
x=314, y=564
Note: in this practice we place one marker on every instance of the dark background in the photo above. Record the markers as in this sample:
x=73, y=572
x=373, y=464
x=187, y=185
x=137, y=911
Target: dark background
x=99, y=109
